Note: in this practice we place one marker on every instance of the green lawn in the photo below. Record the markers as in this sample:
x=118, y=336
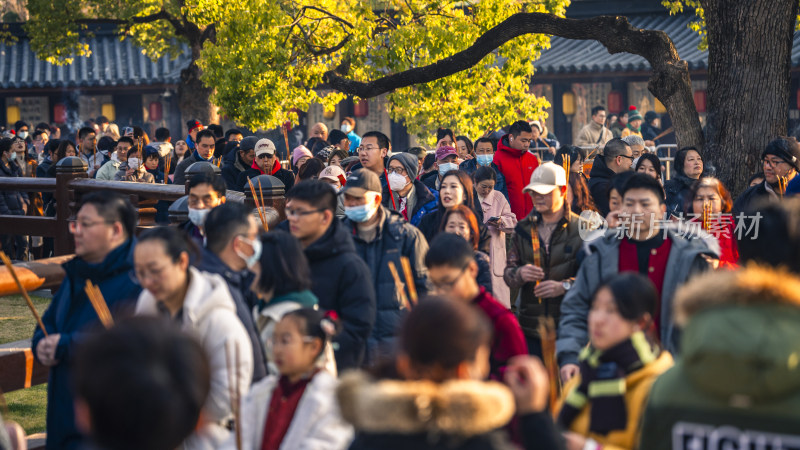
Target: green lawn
x=27, y=406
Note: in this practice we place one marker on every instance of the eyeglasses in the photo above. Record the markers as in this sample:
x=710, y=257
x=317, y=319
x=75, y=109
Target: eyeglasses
x=74, y=225
x=367, y=148
x=629, y=157
x=773, y=162
x=448, y=285
x=397, y=170
x=264, y=156
x=298, y=213
x=138, y=276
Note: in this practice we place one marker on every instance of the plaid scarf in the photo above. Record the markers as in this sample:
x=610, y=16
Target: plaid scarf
x=603, y=384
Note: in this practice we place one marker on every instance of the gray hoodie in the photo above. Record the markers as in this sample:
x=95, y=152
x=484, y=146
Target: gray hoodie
x=685, y=260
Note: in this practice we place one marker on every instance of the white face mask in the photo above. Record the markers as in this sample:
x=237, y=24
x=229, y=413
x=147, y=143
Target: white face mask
x=397, y=182
x=198, y=216
x=345, y=128
x=23, y=134
x=133, y=163
x=446, y=167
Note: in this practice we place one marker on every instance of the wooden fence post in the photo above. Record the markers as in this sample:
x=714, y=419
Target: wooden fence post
x=67, y=169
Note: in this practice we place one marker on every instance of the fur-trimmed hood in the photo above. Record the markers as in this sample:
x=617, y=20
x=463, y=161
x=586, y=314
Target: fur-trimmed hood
x=741, y=340
x=751, y=285
x=460, y=407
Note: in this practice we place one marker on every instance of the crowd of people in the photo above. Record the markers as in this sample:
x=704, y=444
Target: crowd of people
x=475, y=296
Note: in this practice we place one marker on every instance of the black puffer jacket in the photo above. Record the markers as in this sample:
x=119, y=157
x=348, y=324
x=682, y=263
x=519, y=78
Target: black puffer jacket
x=751, y=198
x=677, y=191
x=395, y=238
x=341, y=282
x=12, y=203
x=599, y=182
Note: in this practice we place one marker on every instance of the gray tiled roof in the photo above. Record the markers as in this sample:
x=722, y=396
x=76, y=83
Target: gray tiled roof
x=572, y=56
x=112, y=63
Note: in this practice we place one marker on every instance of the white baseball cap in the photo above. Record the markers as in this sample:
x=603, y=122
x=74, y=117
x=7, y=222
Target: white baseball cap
x=265, y=146
x=546, y=178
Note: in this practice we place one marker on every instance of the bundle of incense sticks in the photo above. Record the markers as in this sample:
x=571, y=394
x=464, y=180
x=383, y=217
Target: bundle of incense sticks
x=167, y=161
x=567, y=164
x=782, y=182
x=398, y=284
x=24, y=292
x=259, y=202
x=537, y=257
x=233, y=392
x=412, y=288
x=99, y=304
x=706, y=215
x=286, y=141
x=547, y=334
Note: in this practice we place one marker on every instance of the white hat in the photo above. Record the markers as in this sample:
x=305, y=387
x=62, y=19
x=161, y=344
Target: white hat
x=537, y=124
x=546, y=178
x=265, y=146
x=333, y=173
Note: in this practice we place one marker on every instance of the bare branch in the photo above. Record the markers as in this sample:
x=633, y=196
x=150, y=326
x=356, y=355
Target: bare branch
x=135, y=20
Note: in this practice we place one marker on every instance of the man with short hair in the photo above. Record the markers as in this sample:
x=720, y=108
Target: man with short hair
x=595, y=133
x=204, y=151
x=780, y=158
x=238, y=162
x=446, y=157
x=103, y=230
x=87, y=141
x=413, y=199
x=232, y=248
x=319, y=130
x=338, y=139
x=617, y=157
x=453, y=272
x=542, y=287
x=266, y=162
x=205, y=193
x=381, y=237
x=40, y=139
x=667, y=256
x=120, y=155
x=234, y=135
x=517, y=164
x=340, y=278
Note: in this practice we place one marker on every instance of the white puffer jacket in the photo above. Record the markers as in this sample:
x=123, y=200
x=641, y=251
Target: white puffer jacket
x=210, y=315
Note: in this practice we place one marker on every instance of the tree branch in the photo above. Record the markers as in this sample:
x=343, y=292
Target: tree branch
x=135, y=20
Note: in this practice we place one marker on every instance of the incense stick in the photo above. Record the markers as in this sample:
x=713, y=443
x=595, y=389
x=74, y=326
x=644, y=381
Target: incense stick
x=99, y=304
x=537, y=258
x=782, y=186
x=412, y=288
x=167, y=161
x=22, y=290
x=706, y=215
x=286, y=140
x=567, y=165
x=547, y=335
x=398, y=285
x=261, y=214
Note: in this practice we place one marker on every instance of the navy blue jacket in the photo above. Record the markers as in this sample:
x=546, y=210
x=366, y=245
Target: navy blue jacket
x=239, y=287
x=470, y=166
x=340, y=280
x=70, y=314
x=395, y=238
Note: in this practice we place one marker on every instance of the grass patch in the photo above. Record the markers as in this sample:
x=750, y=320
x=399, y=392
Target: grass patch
x=28, y=407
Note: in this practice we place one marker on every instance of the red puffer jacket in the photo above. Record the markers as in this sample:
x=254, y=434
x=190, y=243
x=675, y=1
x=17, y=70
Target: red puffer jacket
x=517, y=167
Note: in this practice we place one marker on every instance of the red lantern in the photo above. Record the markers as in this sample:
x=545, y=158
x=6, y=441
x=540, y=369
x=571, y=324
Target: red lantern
x=156, y=111
x=614, y=102
x=700, y=101
x=60, y=113
x=362, y=108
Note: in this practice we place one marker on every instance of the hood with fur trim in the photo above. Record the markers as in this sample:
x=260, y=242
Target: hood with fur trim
x=459, y=407
x=741, y=340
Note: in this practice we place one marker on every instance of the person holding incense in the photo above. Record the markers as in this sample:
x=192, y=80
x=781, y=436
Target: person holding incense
x=781, y=163
x=198, y=303
x=711, y=207
x=646, y=243
x=133, y=169
x=452, y=270
x=382, y=236
x=266, y=162
x=103, y=230
x=232, y=248
x=542, y=277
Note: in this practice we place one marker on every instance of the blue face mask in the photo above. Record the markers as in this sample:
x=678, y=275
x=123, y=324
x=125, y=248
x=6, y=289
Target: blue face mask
x=360, y=213
x=484, y=160
x=446, y=167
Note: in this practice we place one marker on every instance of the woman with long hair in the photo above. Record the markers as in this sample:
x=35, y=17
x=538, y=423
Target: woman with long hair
x=578, y=196
x=461, y=221
x=710, y=193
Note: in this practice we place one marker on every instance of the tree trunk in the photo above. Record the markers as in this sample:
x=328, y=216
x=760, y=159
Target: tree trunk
x=749, y=58
x=194, y=98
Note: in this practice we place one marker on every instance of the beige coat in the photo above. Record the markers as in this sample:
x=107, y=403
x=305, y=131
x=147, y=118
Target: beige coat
x=210, y=315
x=496, y=205
x=590, y=133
